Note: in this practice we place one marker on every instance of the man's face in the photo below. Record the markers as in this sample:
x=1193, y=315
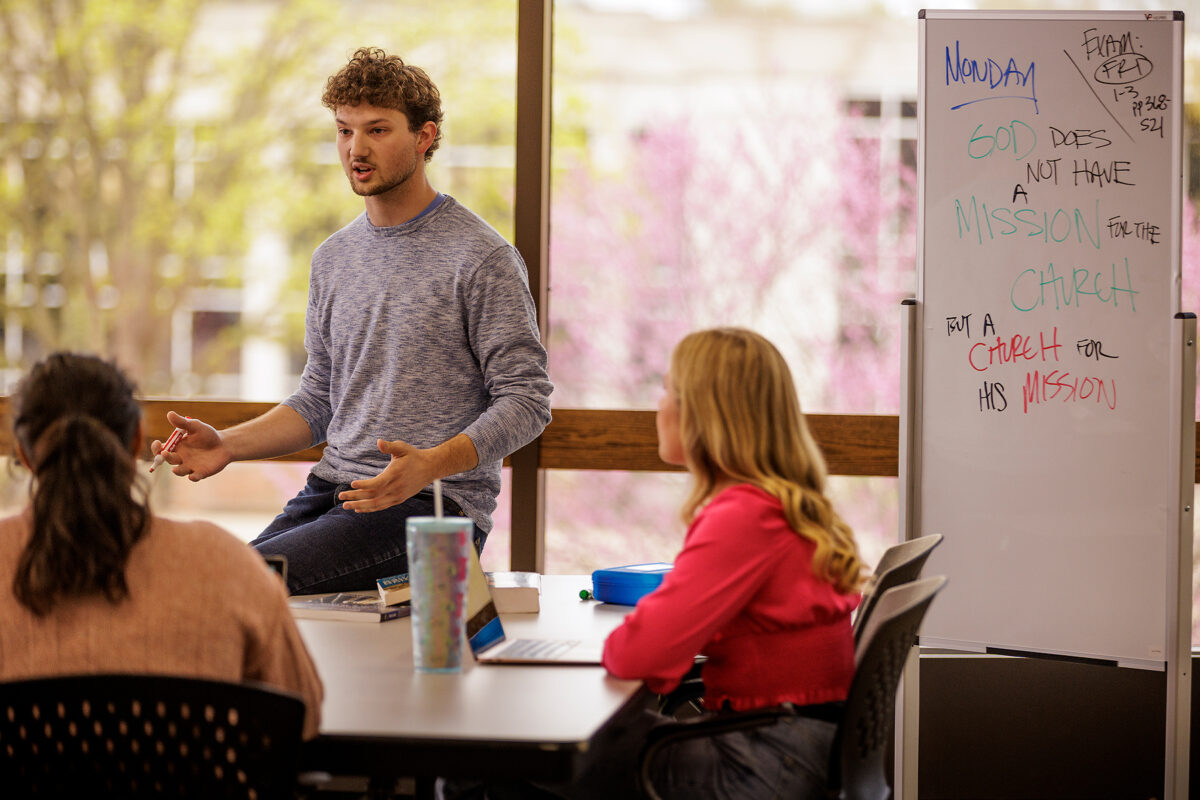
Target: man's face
x=379, y=153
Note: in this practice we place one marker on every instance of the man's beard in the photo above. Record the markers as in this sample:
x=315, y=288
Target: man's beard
x=383, y=187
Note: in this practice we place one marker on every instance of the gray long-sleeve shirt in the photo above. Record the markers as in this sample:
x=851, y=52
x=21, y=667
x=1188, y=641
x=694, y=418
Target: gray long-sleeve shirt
x=419, y=332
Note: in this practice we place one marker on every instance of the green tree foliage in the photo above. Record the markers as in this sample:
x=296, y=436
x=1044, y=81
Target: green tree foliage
x=114, y=198
x=145, y=144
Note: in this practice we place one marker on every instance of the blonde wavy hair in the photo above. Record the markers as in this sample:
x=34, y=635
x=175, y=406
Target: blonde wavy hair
x=740, y=419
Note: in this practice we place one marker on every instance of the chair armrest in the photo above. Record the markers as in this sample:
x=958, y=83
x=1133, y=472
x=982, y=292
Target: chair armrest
x=689, y=692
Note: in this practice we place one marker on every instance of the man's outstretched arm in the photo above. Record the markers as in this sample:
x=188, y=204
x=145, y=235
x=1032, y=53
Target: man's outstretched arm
x=205, y=451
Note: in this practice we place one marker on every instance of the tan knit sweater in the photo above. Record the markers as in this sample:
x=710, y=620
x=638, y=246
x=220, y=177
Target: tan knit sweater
x=201, y=603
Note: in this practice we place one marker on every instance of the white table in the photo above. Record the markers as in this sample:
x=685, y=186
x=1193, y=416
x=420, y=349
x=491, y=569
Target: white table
x=382, y=718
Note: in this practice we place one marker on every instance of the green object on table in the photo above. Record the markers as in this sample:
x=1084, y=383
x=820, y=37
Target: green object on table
x=584, y=594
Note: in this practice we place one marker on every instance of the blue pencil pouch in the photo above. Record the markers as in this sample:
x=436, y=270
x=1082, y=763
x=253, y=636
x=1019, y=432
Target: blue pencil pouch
x=626, y=585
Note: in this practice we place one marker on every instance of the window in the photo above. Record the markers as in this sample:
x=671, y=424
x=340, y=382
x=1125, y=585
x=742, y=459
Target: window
x=163, y=185
x=714, y=163
x=722, y=166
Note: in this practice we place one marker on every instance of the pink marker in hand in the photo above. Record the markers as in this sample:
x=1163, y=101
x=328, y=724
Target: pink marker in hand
x=168, y=447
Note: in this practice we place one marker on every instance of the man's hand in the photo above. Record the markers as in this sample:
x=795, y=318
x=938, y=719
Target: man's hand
x=409, y=471
x=199, y=454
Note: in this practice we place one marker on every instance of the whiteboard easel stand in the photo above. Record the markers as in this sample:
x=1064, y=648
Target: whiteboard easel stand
x=1172, y=620
x=1179, y=633
x=908, y=693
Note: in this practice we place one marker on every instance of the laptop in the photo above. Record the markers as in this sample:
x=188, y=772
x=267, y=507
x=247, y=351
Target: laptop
x=277, y=562
x=489, y=645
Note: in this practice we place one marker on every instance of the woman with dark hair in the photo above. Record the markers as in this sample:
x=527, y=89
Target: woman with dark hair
x=99, y=583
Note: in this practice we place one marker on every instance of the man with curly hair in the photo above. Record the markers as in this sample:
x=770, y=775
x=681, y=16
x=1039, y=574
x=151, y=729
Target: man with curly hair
x=424, y=358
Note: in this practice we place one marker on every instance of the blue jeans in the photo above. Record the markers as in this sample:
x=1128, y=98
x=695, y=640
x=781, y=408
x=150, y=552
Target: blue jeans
x=330, y=549
x=788, y=759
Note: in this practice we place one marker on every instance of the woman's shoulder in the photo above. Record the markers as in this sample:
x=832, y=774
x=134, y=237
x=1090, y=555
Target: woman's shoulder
x=14, y=533
x=742, y=497
x=202, y=539
x=191, y=531
x=742, y=506
x=750, y=511
x=15, y=522
x=205, y=561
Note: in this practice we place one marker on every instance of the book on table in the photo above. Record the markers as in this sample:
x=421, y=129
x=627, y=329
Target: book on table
x=395, y=589
x=352, y=606
x=515, y=592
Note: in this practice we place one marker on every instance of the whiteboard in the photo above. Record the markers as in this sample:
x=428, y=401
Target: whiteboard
x=1048, y=279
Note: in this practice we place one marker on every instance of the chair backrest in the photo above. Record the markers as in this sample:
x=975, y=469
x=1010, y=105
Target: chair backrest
x=899, y=564
x=858, y=762
x=135, y=736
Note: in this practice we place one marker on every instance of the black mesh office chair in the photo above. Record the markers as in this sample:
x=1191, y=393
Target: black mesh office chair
x=142, y=736
x=898, y=565
x=857, y=769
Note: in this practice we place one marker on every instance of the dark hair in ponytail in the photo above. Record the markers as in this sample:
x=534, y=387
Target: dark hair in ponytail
x=75, y=417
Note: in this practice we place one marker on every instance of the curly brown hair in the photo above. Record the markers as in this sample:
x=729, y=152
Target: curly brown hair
x=375, y=78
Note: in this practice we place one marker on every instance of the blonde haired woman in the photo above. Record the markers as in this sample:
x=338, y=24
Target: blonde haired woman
x=765, y=583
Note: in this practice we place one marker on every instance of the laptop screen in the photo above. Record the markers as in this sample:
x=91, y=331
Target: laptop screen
x=483, y=623
x=277, y=562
